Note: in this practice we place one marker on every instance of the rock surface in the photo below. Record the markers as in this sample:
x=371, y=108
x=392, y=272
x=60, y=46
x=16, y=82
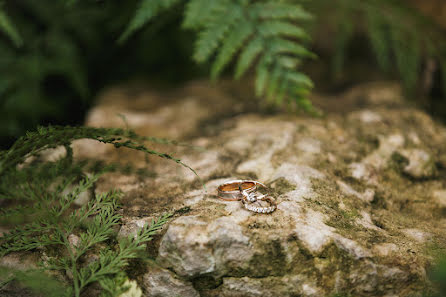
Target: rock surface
x=352, y=218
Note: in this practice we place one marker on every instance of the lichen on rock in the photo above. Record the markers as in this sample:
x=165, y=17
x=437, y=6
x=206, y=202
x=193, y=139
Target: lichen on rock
x=351, y=217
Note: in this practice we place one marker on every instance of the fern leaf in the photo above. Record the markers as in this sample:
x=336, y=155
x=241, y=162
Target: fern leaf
x=283, y=46
x=267, y=27
x=147, y=10
x=198, y=12
x=345, y=33
x=211, y=36
x=288, y=62
x=282, y=90
x=261, y=77
x=232, y=44
x=300, y=79
x=9, y=29
x=408, y=54
x=379, y=39
x=251, y=51
x=273, y=83
x=280, y=11
x=276, y=28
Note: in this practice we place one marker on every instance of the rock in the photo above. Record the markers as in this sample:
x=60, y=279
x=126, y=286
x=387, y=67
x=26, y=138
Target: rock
x=346, y=218
x=161, y=282
x=19, y=261
x=440, y=197
x=133, y=226
x=368, y=116
x=74, y=241
x=367, y=196
x=421, y=163
x=268, y=287
x=385, y=249
x=417, y=234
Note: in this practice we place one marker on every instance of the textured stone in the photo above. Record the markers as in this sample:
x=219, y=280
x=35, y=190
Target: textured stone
x=421, y=163
x=161, y=282
x=440, y=197
x=348, y=221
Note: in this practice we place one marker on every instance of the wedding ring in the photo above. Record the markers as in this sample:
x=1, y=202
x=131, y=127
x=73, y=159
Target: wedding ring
x=249, y=198
x=269, y=209
x=230, y=191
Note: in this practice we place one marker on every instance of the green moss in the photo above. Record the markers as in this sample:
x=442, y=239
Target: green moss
x=397, y=162
x=282, y=186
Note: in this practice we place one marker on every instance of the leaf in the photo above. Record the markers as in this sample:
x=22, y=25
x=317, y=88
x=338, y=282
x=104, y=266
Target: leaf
x=344, y=34
x=379, y=38
x=9, y=29
x=147, y=10
x=280, y=11
x=251, y=51
x=231, y=45
x=198, y=12
x=283, y=46
x=273, y=83
x=276, y=28
x=211, y=36
x=300, y=79
x=408, y=54
x=261, y=78
x=259, y=31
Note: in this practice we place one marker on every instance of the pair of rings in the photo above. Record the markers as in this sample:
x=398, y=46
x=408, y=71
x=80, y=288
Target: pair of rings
x=245, y=191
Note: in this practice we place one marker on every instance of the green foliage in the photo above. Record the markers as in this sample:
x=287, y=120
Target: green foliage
x=68, y=53
x=9, y=29
x=50, y=137
x=400, y=36
x=147, y=10
x=56, y=55
x=79, y=241
x=34, y=280
x=265, y=33
x=438, y=277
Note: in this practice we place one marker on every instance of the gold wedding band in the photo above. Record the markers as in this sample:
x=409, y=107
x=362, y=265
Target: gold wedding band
x=229, y=191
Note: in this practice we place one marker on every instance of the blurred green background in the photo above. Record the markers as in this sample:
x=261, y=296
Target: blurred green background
x=65, y=52
x=70, y=52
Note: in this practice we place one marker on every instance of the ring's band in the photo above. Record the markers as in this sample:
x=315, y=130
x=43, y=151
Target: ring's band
x=230, y=191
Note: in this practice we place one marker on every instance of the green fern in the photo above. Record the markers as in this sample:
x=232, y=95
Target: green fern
x=50, y=137
x=147, y=10
x=390, y=28
x=9, y=29
x=265, y=33
x=40, y=199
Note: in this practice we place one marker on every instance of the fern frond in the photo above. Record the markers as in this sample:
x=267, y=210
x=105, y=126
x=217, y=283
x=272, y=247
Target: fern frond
x=211, y=36
x=232, y=43
x=344, y=35
x=271, y=10
x=147, y=10
x=277, y=28
x=262, y=76
x=266, y=32
x=50, y=137
x=379, y=38
x=408, y=55
x=284, y=46
x=247, y=57
x=9, y=29
x=198, y=12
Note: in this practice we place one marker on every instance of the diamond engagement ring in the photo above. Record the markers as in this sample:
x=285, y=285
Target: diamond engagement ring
x=250, y=199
